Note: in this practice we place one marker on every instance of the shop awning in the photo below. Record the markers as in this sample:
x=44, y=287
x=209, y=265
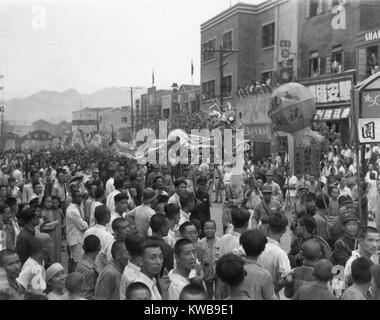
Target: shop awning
x=332, y=114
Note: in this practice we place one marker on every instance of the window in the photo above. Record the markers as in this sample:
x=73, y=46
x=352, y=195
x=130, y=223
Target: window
x=207, y=56
x=267, y=36
x=314, y=8
x=208, y=90
x=124, y=119
x=372, y=60
x=227, y=40
x=227, y=86
x=267, y=78
x=336, y=59
x=314, y=68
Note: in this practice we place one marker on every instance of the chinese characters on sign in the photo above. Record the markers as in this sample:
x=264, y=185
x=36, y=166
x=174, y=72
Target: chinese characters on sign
x=332, y=114
x=332, y=92
x=369, y=130
x=307, y=159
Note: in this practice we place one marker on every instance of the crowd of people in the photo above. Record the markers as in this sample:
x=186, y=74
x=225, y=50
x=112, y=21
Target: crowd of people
x=91, y=225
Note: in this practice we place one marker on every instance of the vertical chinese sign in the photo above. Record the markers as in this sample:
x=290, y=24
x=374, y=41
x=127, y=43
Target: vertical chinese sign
x=307, y=156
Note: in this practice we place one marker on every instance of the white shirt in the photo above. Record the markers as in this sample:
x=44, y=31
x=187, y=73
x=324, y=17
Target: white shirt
x=109, y=186
x=151, y=284
x=114, y=215
x=229, y=242
x=129, y=276
x=345, y=191
x=178, y=282
x=175, y=199
x=32, y=276
x=274, y=259
x=111, y=200
x=75, y=225
x=293, y=181
x=354, y=256
x=106, y=240
x=92, y=212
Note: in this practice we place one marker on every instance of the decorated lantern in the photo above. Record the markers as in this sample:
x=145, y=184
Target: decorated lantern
x=292, y=108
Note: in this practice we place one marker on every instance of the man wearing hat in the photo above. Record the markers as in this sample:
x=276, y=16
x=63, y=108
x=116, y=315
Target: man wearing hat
x=266, y=208
x=347, y=243
x=276, y=190
x=144, y=212
x=4, y=175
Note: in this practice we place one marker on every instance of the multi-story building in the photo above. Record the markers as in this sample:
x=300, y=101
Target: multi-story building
x=256, y=31
x=151, y=103
x=184, y=100
x=119, y=120
x=338, y=46
x=88, y=120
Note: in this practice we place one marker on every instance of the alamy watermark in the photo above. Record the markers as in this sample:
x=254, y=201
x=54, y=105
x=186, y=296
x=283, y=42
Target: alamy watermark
x=226, y=146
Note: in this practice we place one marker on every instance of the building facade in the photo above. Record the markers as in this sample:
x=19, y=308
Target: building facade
x=119, y=120
x=88, y=120
x=338, y=47
x=258, y=32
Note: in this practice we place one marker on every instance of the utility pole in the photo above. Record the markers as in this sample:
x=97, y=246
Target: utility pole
x=132, y=116
x=2, y=111
x=222, y=64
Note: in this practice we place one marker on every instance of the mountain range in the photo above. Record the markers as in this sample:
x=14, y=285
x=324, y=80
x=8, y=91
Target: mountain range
x=56, y=106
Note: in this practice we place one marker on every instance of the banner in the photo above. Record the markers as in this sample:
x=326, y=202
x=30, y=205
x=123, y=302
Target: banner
x=369, y=130
x=307, y=156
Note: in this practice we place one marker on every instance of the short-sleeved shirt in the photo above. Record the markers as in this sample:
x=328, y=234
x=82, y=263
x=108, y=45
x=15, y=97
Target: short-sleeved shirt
x=258, y=283
x=108, y=283
x=314, y=292
x=87, y=267
x=32, y=276
x=178, y=282
x=129, y=276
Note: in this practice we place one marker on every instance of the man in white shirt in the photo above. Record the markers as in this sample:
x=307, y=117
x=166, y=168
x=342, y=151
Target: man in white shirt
x=99, y=200
x=292, y=188
x=152, y=261
x=110, y=183
x=369, y=245
x=118, y=184
x=370, y=170
x=180, y=189
x=32, y=275
x=102, y=217
x=230, y=241
x=274, y=258
x=343, y=189
x=142, y=214
x=75, y=227
x=133, y=268
x=120, y=209
x=17, y=174
x=186, y=261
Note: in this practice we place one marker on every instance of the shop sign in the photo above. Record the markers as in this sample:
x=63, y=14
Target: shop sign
x=332, y=92
x=372, y=35
x=332, y=114
x=369, y=130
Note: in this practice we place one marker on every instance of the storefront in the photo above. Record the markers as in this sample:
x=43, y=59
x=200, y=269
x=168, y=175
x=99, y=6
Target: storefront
x=333, y=101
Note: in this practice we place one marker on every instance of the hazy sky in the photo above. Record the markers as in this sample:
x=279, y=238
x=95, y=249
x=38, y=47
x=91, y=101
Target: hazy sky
x=90, y=45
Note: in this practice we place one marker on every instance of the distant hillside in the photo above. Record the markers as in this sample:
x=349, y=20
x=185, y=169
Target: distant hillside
x=57, y=106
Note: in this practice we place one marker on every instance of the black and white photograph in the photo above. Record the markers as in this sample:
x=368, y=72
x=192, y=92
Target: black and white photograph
x=205, y=151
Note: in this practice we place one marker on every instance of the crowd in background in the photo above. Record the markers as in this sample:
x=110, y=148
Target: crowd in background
x=89, y=224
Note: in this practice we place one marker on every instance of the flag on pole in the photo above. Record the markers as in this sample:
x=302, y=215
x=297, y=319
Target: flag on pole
x=192, y=68
x=152, y=77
